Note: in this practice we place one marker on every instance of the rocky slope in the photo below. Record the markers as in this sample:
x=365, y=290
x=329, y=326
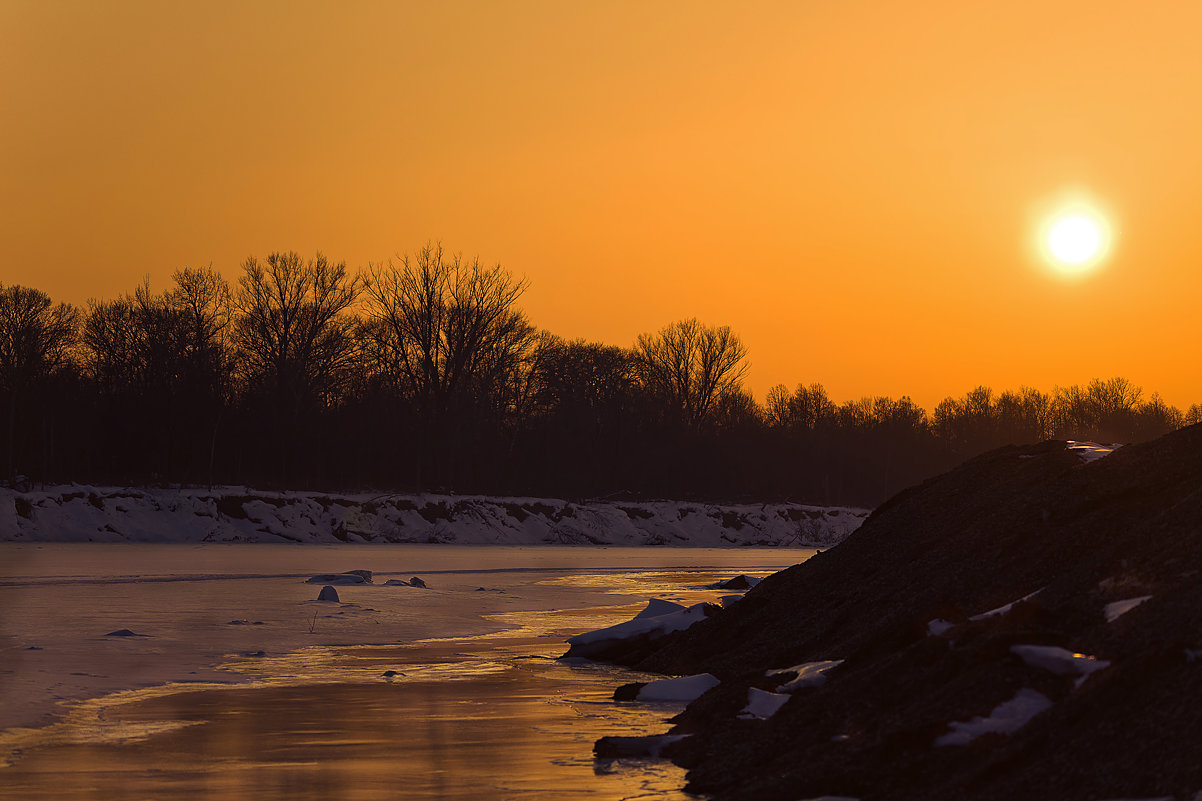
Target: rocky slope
x=229, y=514
x=1108, y=555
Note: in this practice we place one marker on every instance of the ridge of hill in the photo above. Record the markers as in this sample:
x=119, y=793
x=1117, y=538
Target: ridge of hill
x=1028, y=625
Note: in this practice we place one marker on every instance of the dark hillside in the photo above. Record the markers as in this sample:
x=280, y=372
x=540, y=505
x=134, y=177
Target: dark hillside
x=1005, y=525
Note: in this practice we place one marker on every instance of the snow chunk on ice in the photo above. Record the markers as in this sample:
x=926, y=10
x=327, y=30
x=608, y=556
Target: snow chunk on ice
x=1006, y=718
x=658, y=606
x=1091, y=451
x=809, y=674
x=1119, y=608
x=739, y=582
x=762, y=704
x=683, y=688
x=648, y=746
x=342, y=579
x=938, y=627
x=1001, y=610
x=662, y=624
x=1060, y=661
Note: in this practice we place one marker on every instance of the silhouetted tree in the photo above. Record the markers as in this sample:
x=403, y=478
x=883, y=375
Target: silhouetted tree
x=449, y=334
x=294, y=337
x=36, y=338
x=690, y=365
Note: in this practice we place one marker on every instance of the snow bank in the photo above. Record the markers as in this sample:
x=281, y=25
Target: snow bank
x=682, y=688
x=762, y=704
x=235, y=514
x=1006, y=718
x=809, y=674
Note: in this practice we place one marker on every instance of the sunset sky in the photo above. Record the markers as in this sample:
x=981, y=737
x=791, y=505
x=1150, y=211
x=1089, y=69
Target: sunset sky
x=856, y=188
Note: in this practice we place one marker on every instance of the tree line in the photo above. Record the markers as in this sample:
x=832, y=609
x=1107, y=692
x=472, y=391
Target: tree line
x=423, y=373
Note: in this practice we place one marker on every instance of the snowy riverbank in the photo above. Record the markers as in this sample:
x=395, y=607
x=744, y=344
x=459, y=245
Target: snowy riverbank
x=78, y=513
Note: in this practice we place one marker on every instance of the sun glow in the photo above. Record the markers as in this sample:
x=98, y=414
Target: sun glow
x=1074, y=240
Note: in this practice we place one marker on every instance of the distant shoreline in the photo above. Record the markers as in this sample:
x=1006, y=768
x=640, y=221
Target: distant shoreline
x=80, y=513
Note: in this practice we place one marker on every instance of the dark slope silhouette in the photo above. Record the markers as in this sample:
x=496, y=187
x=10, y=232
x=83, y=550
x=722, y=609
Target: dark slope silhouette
x=1008, y=524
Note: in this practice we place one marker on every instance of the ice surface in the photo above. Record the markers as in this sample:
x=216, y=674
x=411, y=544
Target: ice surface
x=60, y=599
x=1006, y=718
x=809, y=674
x=1119, y=608
x=682, y=688
x=762, y=704
x=1059, y=661
x=1001, y=610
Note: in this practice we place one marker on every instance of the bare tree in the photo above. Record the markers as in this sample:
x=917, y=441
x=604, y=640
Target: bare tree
x=448, y=328
x=778, y=407
x=203, y=302
x=293, y=334
x=690, y=364
x=36, y=338
x=447, y=332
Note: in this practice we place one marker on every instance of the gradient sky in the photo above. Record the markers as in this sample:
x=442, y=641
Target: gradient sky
x=854, y=187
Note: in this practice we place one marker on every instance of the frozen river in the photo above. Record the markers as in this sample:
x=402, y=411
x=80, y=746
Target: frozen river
x=244, y=686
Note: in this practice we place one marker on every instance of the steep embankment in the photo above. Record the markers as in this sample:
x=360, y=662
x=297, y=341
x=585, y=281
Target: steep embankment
x=1109, y=553
x=91, y=514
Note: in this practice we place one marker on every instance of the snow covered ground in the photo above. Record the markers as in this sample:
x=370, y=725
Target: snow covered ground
x=235, y=514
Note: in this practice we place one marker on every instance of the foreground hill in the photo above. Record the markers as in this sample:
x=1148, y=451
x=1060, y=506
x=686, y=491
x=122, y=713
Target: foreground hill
x=91, y=514
x=965, y=611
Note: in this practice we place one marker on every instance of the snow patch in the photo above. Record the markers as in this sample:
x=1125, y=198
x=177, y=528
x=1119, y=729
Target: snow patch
x=1091, y=451
x=938, y=627
x=683, y=688
x=762, y=704
x=1117, y=609
x=1059, y=661
x=1006, y=718
x=1001, y=610
x=809, y=674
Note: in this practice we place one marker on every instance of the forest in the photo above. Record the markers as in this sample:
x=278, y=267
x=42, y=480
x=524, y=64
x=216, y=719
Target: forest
x=424, y=374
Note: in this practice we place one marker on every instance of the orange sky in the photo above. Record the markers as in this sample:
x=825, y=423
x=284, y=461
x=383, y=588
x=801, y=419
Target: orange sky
x=854, y=187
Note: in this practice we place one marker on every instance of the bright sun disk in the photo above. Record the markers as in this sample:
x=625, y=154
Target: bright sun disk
x=1075, y=239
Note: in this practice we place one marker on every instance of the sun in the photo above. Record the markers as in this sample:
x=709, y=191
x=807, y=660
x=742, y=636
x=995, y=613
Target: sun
x=1076, y=239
